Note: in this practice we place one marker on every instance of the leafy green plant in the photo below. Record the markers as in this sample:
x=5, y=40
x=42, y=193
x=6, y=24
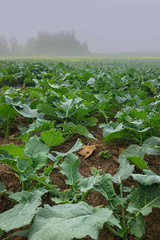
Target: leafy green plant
x=8, y=114
x=105, y=154
x=123, y=214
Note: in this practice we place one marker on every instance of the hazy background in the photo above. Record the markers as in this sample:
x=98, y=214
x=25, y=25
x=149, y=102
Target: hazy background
x=105, y=25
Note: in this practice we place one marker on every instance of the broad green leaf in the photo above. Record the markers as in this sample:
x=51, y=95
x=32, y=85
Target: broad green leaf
x=46, y=109
x=69, y=221
x=52, y=137
x=90, y=82
x=83, y=131
x=138, y=161
x=101, y=183
x=54, y=86
x=38, y=161
x=109, y=133
x=137, y=225
x=8, y=160
x=69, y=167
x=35, y=146
x=149, y=85
x=143, y=198
x=2, y=187
x=152, y=145
x=67, y=104
x=45, y=182
x=26, y=111
x=120, y=99
x=109, y=129
x=23, y=213
x=146, y=179
x=7, y=112
x=105, y=186
x=138, y=113
x=75, y=148
x=13, y=150
x=124, y=171
x=88, y=183
x=40, y=124
x=90, y=122
x=133, y=150
x=153, y=141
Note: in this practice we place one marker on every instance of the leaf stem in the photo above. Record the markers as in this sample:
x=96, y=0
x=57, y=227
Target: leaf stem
x=7, y=130
x=7, y=237
x=112, y=230
x=123, y=209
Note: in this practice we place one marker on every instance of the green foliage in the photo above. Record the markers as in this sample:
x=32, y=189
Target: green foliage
x=67, y=100
x=105, y=154
x=50, y=221
x=21, y=214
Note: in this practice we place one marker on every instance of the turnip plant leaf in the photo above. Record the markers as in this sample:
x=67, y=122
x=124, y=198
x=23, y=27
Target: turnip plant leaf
x=13, y=150
x=35, y=146
x=83, y=131
x=26, y=111
x=146, y=179
x=69, y=221
x=8, y=160
x=138, y=113
x=75, y=148
x=137, y=225
x=38, y=161
x=44, y=181
x=7, y=111
x=22, y=214
x=88, y=183
x=109, y=133
x=105, y=186
x=46, y=109
x=69, y=167
x=90, y=122
x=40, y=124
x=101, y=183
x=133, y=151
x=152, y=145
x=109, y=129
x=124, y=171
x=52, y=137
x=138, y=161
x=2, y=187
x=143, y=198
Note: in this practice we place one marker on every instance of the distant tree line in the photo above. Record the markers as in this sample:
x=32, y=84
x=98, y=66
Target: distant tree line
x=44, y=44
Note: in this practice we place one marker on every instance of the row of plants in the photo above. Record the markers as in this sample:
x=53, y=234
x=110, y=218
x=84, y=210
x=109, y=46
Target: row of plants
x=66, y=99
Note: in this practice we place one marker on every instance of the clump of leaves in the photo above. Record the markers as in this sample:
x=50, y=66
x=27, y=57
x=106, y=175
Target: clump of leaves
x=125, y=212
x=105, y=154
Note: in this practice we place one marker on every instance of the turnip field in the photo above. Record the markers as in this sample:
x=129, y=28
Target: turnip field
x=79, y=149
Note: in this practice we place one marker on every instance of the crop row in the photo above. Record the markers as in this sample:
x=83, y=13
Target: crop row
x=58, y=100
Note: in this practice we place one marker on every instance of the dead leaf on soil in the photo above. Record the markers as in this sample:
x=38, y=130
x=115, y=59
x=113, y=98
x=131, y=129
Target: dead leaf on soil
x=12, y=137
x=87, y=150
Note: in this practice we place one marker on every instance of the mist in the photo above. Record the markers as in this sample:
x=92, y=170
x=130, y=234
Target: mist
x=103, y=25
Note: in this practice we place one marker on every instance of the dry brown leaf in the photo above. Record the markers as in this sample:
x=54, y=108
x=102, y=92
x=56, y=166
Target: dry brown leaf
x=120, y=150
x=87, y=150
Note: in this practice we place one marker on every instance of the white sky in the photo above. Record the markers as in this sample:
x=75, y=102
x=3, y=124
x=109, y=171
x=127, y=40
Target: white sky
x=106, y=25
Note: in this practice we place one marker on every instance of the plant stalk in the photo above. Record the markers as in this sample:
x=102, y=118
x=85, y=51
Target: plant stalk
x=7, y=237
x=112, y=230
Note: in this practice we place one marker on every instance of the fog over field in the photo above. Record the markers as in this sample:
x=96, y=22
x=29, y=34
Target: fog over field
x=105, y=25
